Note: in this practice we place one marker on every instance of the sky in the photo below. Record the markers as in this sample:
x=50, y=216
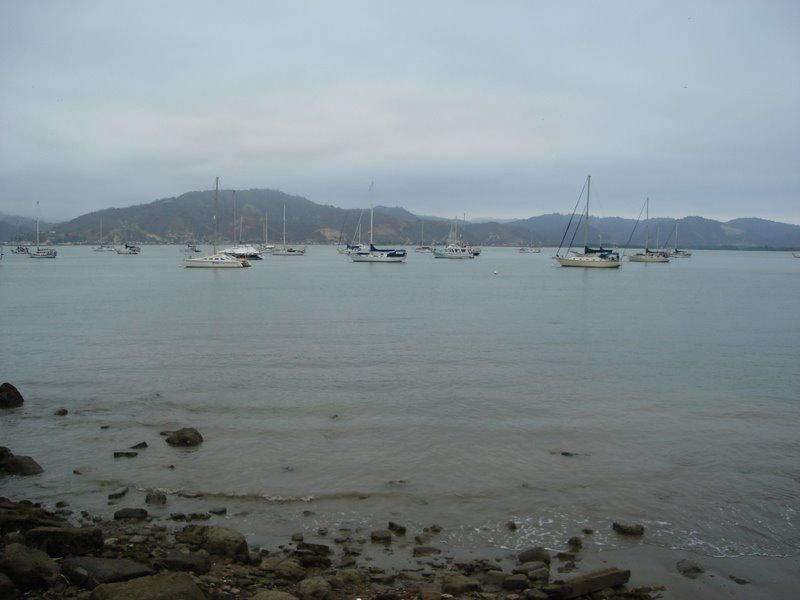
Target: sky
x=494, y=108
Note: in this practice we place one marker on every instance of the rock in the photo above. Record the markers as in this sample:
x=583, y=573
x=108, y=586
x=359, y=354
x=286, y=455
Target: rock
x=318, y=549
x=575, y=542
x=90, y=571
x=273, y=595
x=61, y=412
x=396, y=528
x=186, y=437
x=159, y=498
x=165, y=586
x=139, y=446
x=24, y=515
x=738, y=580
x=382, y=536
x=534, y=555
x=225, y=542
x=11, y=464
x=426, y=551
x=218, y=510
x=283, y=568
x=516, y=582
x=61, y=541
x=689, y=569
x=7, y=588
x=199, y=564
x=130, y=513
x=10, y=396
x=27, y=567
x=590, y=583
x=116, y=495
x=459, y=585
x=314, y=588
x=535, y=570
x=126, y=454
x=631, y=529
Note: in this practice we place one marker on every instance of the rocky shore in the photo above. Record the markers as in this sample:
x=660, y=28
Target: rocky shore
x=59, y=551
x=43, y=555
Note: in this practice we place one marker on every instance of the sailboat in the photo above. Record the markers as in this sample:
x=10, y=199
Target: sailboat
x=597, y=258
x=240, y=250
x=40, y=252
x=215, y=260
x=532, y=248
x=422, y=247
x=285, y=250
x=649, y=256
x=455, y=248
x=356, y=244
x=103, y=247
x=266, y=246
x=373, y=254
x=675, y=252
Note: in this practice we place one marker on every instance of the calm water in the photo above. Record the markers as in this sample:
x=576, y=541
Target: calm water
x=430, y=392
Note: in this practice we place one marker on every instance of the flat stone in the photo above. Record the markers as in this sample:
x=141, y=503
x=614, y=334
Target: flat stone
x=630, y=529
x=165, y=586
x=587, y=584
x=90, y=571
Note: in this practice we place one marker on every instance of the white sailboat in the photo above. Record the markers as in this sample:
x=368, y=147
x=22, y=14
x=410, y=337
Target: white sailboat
x=593, y=258
x=377, y=255
x=266, y=247
x=215, y=260
x=649, y=256
x=284, y=250
x=423, y=247
x=240, y=250
x=41, y=252
x=455, y=249
x=102, y=246
x=356, y=244
x=675, y=252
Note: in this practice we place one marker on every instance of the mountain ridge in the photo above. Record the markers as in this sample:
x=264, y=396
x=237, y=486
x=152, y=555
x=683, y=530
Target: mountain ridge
x=241, y=215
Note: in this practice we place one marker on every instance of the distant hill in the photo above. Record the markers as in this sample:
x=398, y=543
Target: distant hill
x=191, y=217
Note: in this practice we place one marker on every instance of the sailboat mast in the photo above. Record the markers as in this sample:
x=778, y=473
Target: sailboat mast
x=284, y=227
x=647, y=224
x=586, y=227
x=216, y=209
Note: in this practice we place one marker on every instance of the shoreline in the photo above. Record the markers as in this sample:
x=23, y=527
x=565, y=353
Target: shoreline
x=392, y=562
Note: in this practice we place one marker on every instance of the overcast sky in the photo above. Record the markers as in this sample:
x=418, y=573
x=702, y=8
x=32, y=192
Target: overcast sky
x=494, y=108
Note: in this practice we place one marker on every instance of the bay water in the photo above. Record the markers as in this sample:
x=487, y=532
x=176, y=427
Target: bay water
x=468, y=394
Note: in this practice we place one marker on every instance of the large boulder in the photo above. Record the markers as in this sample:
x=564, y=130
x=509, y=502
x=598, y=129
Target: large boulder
x=61, y=541
x=90, y=571
x=314, y=588
x=27, y=567
x=223, y=541
x=460, y=585
x=166, y=586
x=10, y=464
x=175, y=560
x=186, y=437
x=10, y=396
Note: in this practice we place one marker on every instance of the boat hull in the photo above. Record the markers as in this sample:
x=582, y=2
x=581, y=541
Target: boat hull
x=364, y=258
x=215, y=261
x=649, y=258
x=588, y=262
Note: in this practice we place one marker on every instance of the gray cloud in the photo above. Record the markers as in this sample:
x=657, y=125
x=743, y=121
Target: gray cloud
x=485, y=108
